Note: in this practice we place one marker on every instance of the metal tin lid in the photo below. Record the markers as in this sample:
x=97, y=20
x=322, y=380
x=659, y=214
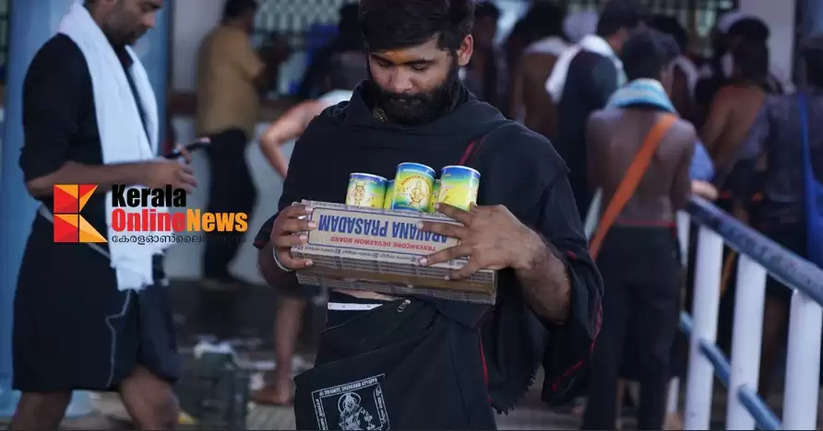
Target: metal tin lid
x=416, y=165
x=458, y=167
x=360, y=174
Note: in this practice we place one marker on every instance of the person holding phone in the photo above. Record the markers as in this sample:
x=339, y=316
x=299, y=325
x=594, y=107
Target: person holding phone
x=93, y=316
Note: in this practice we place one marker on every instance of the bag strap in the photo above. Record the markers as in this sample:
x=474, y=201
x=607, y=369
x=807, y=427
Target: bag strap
x=811, y=186
x=467, y=155
x=628, y=185
x=804, y=131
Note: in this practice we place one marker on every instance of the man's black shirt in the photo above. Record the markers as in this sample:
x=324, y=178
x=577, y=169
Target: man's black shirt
x=519, y=169
x=591, y=80
x=59, y=117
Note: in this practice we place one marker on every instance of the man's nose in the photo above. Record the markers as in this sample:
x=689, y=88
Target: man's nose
x=400, y=81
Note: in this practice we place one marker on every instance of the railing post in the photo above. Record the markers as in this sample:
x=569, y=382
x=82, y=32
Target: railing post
x=802, y=363
x=684, y=223
x=673, y=397
x=704, y=310
x=746, y=339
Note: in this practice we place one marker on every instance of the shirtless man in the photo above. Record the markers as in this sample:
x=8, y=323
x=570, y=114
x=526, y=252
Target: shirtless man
x=735, y=107
x=529, y=100
x=292, y=302
x=642, y=233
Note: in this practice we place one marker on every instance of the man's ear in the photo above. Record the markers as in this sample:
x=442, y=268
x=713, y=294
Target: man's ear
x=465, y=51
x=99, y=7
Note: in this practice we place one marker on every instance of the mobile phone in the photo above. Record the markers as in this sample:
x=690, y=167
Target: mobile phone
x=196, y=145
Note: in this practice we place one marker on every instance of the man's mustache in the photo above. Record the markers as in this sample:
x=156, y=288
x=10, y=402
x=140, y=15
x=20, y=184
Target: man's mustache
x=405, y=99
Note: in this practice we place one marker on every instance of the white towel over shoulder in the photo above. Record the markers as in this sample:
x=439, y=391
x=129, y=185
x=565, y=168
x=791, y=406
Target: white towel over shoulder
x=122, y=135
x=591, y=43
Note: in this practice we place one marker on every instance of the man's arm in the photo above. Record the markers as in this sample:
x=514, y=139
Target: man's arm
x=258, y=67
x=516, y=100
x=561, y=285
x=268, y=268
x=493, y=238
x=714, y=127
x=545, y=280
x=594, y=155
x=305, y=180
x=541, y=114
x=682, y=185
x=52, y=114
x=289, y=126
x=154, y=174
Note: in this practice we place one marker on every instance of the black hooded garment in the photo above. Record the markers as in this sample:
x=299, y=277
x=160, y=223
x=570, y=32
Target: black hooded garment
x=520, y=170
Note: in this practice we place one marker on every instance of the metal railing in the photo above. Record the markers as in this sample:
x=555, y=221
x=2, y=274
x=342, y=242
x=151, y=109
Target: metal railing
x=759, y=256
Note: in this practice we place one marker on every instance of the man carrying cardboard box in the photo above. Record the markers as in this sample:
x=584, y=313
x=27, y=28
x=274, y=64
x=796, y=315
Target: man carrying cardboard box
x=418, y=362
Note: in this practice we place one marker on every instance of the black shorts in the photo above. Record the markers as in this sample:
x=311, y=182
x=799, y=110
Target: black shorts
x=73, y=329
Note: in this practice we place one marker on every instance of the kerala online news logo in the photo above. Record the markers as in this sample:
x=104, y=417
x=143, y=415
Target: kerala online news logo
x=133, y=211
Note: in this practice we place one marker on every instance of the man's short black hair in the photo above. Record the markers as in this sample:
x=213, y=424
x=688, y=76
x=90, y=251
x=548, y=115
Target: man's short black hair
x=751, y=61
x=397, y=24
x=545, y=18
x=486, y=9
x=236, y=8
x=750, y=29
x=619, y=14
x=671, y=26
x=647, y=53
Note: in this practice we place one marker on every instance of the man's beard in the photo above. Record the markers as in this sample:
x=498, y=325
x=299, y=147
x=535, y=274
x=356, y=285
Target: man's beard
x=123, y=38
x=420, y=108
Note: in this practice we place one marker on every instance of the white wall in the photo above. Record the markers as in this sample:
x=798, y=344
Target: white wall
x=192, y=20
x=779, y=15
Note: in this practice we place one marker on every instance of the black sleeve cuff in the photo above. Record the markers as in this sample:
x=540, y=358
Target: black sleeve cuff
x=263, y=235
x=573, y=343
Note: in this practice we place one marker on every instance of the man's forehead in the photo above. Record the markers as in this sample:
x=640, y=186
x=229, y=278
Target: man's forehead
x=427, y=51
x=157, y=4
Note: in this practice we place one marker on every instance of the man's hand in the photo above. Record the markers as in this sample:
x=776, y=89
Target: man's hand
x=277, y=51
x=159, y=172
x=704, y=189
x=491, y=237
x=288, y=231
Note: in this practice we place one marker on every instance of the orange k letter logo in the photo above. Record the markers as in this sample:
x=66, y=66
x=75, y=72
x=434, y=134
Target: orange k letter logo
x=69, y=225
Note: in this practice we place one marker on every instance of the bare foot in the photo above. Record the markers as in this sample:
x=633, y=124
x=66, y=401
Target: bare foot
x=673, y=421
x=277, y=395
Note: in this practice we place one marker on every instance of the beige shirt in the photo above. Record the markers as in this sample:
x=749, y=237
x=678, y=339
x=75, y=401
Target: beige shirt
x=226, y=95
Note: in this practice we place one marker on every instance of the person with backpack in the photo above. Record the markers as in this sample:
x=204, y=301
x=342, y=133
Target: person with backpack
x=786, y=134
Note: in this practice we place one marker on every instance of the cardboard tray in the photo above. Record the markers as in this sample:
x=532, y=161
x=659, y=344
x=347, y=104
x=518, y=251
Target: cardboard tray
x=377, y=250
